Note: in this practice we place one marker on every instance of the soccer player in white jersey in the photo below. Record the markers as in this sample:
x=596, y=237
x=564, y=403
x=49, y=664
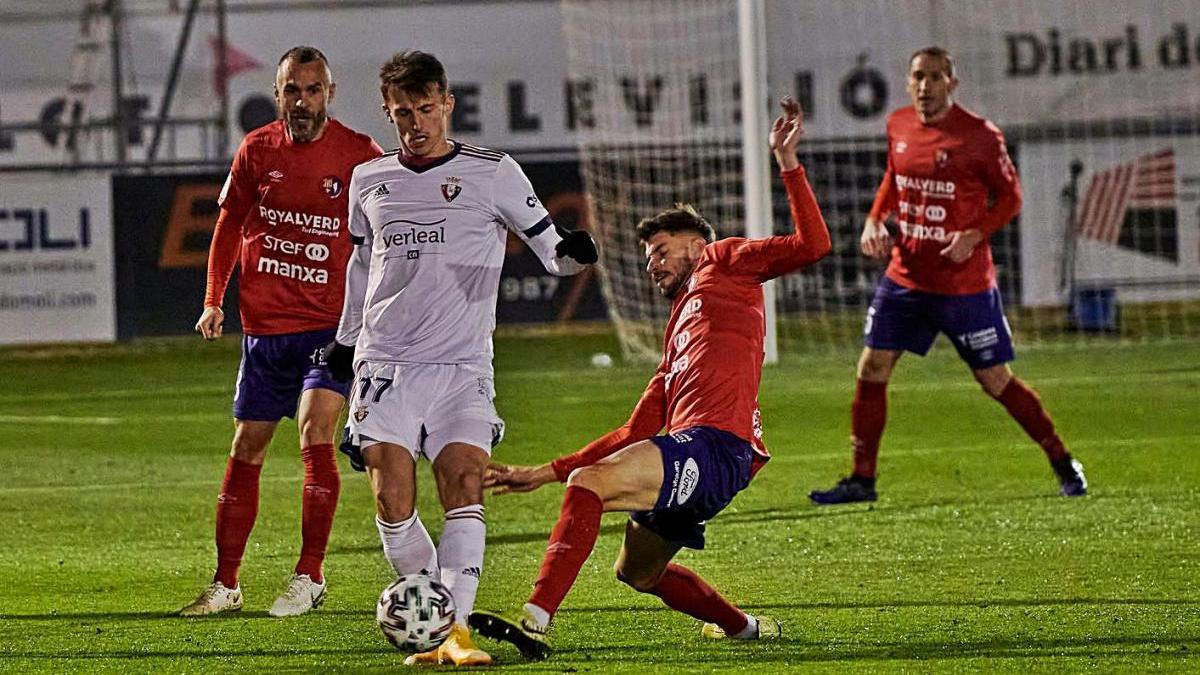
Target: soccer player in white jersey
x=430, y=222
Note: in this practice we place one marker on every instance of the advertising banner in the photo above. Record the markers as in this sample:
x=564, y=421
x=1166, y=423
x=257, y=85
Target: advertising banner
x=1021, y=63
x=56, y=260
x=1137, y=219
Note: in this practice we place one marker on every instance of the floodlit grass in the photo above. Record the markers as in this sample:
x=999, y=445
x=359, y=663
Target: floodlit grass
x=969, y=562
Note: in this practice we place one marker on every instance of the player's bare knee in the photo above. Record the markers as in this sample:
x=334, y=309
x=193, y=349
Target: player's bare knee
x=392, y=507
x=248, y=448
x=461, y=487
x=589, y=478
x=876, y=366
x=638, y=580
x=993, y=380
x=314, y=432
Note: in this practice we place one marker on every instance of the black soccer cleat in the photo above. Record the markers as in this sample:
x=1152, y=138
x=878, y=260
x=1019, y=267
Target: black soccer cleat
x=516, y=627
x=849, y=490
x=1071, y=481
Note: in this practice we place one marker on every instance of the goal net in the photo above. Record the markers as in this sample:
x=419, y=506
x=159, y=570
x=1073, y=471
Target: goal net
x=1101, y=115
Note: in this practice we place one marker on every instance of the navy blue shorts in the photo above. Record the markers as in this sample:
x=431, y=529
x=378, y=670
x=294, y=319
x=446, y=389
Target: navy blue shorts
x=703, y=469
x=275, y=369
x=904, y=319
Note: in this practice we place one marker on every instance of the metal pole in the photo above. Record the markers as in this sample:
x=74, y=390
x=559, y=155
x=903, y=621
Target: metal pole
x=118, y=93
x=756, y=171
x=223, y=82
x=172, y=79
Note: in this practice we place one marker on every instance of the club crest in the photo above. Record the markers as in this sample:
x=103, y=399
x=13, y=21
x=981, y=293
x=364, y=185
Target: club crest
x=360, y=413
x=332, y=185
x=451, y=188
x=941, y=158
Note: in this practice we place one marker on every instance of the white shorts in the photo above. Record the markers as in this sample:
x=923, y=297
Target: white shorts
x=423, y=407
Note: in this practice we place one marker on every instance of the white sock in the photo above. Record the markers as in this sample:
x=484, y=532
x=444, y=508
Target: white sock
x=750, y=632
x=460, y=553
x=541, y=616
x=407, y=546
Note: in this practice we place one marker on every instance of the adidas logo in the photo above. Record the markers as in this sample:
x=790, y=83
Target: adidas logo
x=381, y=191
x=472, y=572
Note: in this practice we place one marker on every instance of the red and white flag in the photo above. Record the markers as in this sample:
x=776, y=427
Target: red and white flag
x=236, y=62
x=1147, y=182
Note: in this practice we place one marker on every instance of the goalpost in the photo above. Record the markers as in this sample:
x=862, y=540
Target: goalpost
x=671, y=100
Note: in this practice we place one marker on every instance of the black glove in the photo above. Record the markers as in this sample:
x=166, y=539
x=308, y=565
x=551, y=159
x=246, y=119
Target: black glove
x=339, y=359
x=578, y=245
x=354, y=452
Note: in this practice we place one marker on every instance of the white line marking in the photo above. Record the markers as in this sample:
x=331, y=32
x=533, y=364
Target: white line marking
x=85, y=420
x=37, y=489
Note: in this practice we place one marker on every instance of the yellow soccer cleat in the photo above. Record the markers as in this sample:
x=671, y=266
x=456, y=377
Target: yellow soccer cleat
x=768, y=629
x=458, y=649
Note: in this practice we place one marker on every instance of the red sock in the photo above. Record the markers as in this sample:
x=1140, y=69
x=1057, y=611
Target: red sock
x=322, y=484
x=1026, y=408
x=237, y=507
x=868, y=415
x=571, y=543
x=683, y=590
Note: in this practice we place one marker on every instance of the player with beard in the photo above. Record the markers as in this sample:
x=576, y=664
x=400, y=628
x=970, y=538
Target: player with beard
x=283, y=221
x=951, y=186
x=704, y=394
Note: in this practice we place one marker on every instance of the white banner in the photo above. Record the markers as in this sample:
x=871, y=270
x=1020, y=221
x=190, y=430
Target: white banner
x=1138, y=210
x=56, y=260
x=1021, y=62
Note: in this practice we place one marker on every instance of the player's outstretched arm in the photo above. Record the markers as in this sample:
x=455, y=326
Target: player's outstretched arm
x=809, y=242
x=505, y=478
x=786, y=133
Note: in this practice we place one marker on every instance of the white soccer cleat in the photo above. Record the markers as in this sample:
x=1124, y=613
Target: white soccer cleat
x=769, y=628
x=301, y=596
x=214, y=599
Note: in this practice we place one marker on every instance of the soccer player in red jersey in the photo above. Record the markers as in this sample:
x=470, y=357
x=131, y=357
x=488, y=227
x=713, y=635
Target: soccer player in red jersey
x=950, y=185
x=283, y=220
x=703, y=393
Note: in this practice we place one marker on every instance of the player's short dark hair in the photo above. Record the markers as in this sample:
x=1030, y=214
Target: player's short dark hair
x=937, y=53
x=303, y=54
x=412, y=72
x=682, y=218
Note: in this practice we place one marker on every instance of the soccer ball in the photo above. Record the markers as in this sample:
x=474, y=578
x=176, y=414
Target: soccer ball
x=415, y=613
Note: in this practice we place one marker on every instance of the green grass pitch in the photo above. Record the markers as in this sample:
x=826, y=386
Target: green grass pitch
x=969, y=562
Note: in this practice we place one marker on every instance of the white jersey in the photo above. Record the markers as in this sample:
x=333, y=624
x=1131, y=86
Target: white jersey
x=421, y=286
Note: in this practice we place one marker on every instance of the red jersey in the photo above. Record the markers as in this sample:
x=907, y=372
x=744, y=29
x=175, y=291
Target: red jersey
x=713, y=346
x=941, y=178
x=284, y=208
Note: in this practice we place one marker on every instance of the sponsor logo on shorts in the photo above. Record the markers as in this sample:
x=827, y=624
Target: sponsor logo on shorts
x=980, y=339
x=688, y=480
x=360, y=413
